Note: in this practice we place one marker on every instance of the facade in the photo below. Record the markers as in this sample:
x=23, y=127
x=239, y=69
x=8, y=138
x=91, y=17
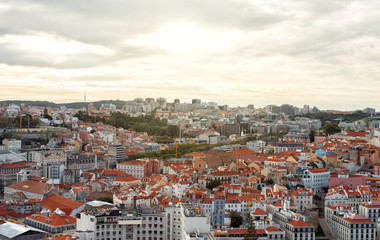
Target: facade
x=301, y=198
x=176, y=222
x=116, y=151
x=299, y=230
x=288, y=146
x=370, y=210
x=139, y=168
x=344, y=223
x=229, y=129
x=52, y=222
x=12, y=144
x=27, y=189
x=316, y=178
x=10, y=171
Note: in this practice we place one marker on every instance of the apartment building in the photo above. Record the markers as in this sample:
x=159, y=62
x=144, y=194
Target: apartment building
x=299, y=230
x=370, y=210
x=316, y=178
x=175, y=222
x=139, y=168
x=345, y=224
x=302, y=198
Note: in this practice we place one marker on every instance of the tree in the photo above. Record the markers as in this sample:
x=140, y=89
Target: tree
x=313, y=165
x=251, y=230
x=236, y=219
x=331, y=128
x=46, y=114
x=317, y=197
x=212, y=184
x=312, y=135
x=106, y=199
x=269, y=181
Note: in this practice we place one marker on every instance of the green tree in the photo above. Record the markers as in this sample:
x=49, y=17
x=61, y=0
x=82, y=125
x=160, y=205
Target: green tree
x=251, y=230
x=269, y=181
x=46, y=114
x=236, y=219
x=312, y=134
x=317, y=197
x=331, y=128
x=212, y=184
x=106, y=199
x=313, y=165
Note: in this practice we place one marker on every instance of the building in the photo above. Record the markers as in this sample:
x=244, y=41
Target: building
x=337, y=210
x=302, y=198
x=288, y=145
x=229, y=129
x=68, y=206
x=52, y=222
x=27, y=189
x=354, y=227
x=9, y=173
x=370, y=210
x=85, y=162
x=256, y=146
x=13, y=145
x=116, y=151
x=316, y=178
x=344, y=223
x=299, y=230
x=10, y=230
x=139, y=168
x=175, y=222
x=350, y=181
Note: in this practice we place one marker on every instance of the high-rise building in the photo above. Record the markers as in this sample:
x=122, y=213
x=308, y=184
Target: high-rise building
x=161, y=101
x=196, y=101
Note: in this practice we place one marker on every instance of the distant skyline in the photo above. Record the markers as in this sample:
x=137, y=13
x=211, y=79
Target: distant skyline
x=235, y=52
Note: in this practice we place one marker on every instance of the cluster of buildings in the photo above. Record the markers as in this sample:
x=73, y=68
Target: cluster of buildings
x=74, y=182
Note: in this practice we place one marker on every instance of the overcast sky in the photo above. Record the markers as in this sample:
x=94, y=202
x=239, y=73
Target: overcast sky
x=237, y=52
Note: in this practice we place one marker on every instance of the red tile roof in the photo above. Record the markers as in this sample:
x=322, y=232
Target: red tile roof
x=126, y=179
x=32, y=187
x=53, y=220
x=300, y=223
x=54, y=201
x=357, y=218
x=273, y=229
x=318, y=170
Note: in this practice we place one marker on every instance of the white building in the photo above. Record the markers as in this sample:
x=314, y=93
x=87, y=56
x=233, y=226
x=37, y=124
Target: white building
x=256, y=146
x=316, y=178
x=299, y=230
x=335, y=195
x=176, y=222
x=132, y=168
x=370, y=210
x=12, y=144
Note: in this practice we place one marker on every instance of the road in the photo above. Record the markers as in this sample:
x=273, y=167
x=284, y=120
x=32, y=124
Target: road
x=325, y=228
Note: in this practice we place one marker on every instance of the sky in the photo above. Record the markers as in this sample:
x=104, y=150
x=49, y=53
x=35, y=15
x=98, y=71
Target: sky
x=323, y=53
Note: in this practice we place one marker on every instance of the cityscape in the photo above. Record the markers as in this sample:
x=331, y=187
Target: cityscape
x=153, y=169
x=189, y=120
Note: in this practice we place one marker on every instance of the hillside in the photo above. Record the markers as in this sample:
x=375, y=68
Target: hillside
x=76, y=105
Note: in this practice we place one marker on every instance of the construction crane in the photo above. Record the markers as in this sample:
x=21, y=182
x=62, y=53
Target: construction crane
x=104, y=115
x=173, y=141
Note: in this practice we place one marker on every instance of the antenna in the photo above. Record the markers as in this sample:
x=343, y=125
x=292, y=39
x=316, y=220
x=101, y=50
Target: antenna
x=84, y=96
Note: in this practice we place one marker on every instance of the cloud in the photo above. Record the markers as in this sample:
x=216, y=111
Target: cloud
x=233, y=51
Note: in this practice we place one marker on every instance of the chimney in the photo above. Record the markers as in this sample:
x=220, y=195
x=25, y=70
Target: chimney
x=134, y=202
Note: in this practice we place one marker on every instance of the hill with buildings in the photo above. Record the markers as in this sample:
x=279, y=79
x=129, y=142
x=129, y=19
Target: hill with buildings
x=97, y=104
